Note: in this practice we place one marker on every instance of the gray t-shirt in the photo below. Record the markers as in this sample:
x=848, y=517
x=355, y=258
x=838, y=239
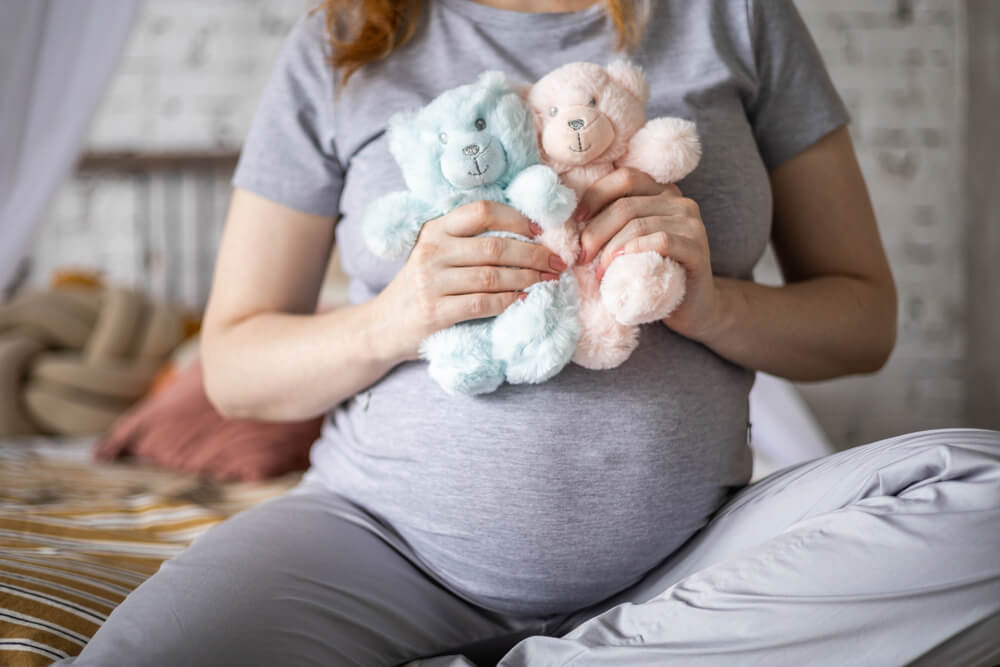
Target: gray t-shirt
x=541, y=499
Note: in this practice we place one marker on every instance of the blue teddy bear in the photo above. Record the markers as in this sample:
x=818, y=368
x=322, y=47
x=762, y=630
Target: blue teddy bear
x=478, y=142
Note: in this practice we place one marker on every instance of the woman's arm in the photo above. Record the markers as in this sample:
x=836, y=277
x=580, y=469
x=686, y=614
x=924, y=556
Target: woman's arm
x=266, y=355
x=837, y=313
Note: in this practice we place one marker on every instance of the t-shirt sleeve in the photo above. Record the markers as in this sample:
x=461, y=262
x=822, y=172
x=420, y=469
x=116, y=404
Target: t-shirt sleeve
x=289, y=155
x=795, y=103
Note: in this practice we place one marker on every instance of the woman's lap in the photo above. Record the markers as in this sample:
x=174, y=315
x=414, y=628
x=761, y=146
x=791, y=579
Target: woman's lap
x=885, y=554
x=298, y=580
x=876, y=555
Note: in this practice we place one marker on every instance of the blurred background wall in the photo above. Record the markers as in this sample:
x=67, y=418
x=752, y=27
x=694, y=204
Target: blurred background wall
x=147, y=205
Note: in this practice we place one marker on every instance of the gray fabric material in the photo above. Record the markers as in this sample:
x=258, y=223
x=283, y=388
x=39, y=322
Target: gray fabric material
x=539, y=499
x=881, y=555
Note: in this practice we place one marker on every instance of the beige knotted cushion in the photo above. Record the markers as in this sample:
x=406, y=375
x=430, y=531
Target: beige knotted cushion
x=72, y=358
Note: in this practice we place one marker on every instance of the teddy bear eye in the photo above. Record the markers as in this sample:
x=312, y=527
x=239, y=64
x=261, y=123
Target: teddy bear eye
x=593, y=102
x=553, y=111
x=443, y=137
x=480, y=124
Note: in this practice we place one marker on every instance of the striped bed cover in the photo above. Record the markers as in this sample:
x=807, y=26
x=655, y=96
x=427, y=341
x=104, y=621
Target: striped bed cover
x=77, y=536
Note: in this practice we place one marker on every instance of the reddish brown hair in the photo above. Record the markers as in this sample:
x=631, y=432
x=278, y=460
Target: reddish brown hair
x=362, y=31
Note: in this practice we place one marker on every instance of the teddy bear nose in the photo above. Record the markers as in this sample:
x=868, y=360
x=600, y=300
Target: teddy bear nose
x=471, y=149
x=576, y=124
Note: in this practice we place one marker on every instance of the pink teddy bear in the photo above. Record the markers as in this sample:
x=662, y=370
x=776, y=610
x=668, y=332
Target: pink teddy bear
x=592, y=120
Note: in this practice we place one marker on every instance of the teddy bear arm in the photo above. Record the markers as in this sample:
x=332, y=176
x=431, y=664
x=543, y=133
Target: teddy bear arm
x=668, y=149
x=392, y=222
x=537, y=193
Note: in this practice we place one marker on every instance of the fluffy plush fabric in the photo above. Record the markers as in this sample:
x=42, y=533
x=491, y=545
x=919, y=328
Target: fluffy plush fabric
x=633, y=282
x=608, y=342
x=477, y=142
x=592, y=120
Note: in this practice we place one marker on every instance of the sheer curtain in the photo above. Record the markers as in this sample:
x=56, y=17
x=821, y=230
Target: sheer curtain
x=56, y=58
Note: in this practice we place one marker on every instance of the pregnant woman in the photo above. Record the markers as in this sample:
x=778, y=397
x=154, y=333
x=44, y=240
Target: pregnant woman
x=602, y=517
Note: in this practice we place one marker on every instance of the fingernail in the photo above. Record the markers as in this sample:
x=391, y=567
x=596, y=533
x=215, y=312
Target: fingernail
x=549, y=276
x=582, y=214
x=535, y=228
x=556, y=263
x=522, y=296
x=618, y=253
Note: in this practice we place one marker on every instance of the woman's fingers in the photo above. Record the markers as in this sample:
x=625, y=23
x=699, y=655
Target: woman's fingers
x=614, y=219
x=618, y=198
x=486, y=216
x=454, y=273
x=622, y=182
x=450, y=239
x=645, y=226
x=468, y=280
x=684, y=250
x=460, y=308
x=499, y=251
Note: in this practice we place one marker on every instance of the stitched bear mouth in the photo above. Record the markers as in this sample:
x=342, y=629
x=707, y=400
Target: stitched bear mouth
x=466, y=171
x=580, y=147
x=479, y=170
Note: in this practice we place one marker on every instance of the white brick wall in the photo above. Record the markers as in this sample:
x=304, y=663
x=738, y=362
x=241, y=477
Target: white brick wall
x=188, y=81
x=900, y=67
x=193, y=71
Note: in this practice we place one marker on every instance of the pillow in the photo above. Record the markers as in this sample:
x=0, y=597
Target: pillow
x=177, y=427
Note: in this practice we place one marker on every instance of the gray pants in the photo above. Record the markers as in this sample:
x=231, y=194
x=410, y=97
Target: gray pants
x=885, y=554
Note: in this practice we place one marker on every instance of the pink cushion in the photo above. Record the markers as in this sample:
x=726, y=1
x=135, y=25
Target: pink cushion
x=179, y=428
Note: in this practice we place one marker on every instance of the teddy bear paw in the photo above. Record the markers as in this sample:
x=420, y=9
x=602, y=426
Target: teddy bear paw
x=537, y=193
x=460, y=359
x=642, y=287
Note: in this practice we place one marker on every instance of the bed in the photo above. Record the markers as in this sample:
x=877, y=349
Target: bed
x=76, y=536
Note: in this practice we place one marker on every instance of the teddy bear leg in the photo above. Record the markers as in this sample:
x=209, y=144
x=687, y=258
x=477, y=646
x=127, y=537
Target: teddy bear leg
x=604, y=341
x=642, y=287
x=460, y=358
x=537, y=336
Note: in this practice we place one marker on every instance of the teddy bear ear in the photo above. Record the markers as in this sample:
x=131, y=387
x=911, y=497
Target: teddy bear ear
x=630, y=77
x=494, y=80
x=522, y=88
x=402, y=131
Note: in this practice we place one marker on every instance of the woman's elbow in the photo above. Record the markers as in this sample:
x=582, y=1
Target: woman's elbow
x=882, y=325
x=218, y=397
x=881, y=352
x=217, y=380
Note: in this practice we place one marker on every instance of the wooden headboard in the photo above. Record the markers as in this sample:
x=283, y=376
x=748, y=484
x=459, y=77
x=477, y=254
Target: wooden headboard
x=124, y=161
x=151, y=220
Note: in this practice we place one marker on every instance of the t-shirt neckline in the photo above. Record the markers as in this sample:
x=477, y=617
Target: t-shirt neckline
x=481, y=13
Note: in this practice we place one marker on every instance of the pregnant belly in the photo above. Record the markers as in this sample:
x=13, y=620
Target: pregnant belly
x=541, y=499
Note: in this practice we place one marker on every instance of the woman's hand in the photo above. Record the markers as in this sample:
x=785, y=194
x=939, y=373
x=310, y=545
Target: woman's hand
x=451, y=276
x=634, y=213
